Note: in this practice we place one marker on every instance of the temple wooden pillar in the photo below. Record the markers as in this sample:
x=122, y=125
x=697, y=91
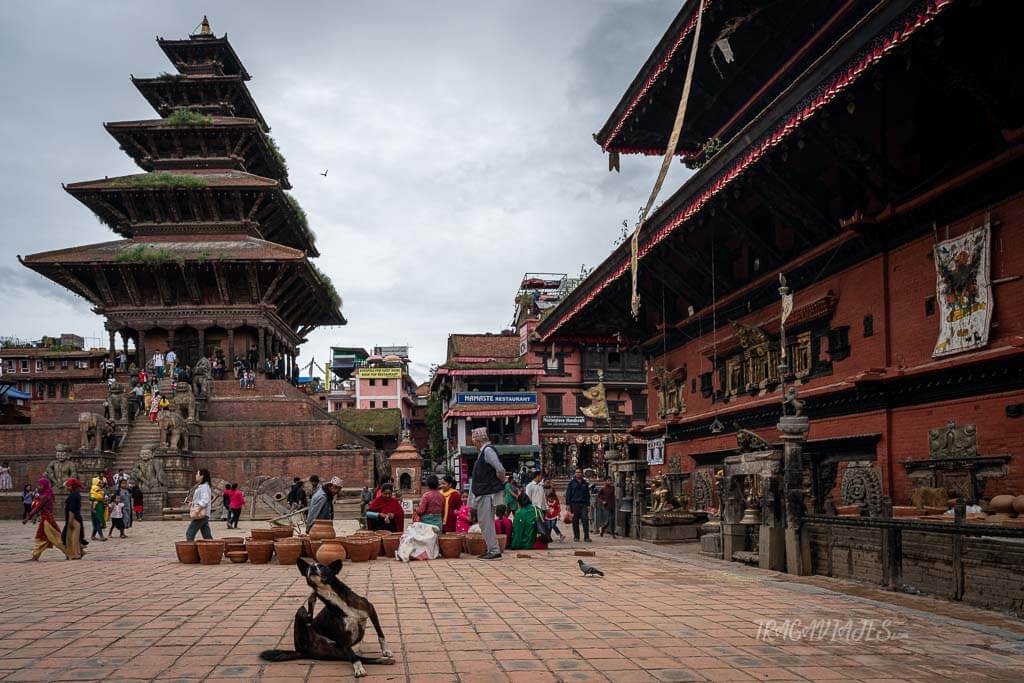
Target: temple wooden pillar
x=262, y=349
x=170, y=339
x=201, y=334
x=113, y=346
x=231, y=347
x=140, y=350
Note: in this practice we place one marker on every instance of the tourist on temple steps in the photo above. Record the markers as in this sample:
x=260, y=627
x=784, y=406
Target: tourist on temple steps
x=487, y=489
x=452, y=503
x=172, y=363
x=431, y=507
x=321, y=505
x=185, y=374
x=47, y=534
x=577, y=497
x=605, y=508
x=73, y=522
x=527, y=528
x=154, y=406
x=200, y=507
x=554, y=509
x=138, y=393
x=158, y=365
x=388, y=514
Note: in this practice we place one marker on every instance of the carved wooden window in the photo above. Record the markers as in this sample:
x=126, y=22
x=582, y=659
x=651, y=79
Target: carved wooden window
x=553, y=404
x=639, y=403
x=707, y=386
x=839, y=343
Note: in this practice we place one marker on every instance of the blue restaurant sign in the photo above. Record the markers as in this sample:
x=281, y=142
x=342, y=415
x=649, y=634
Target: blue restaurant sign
x=495, y=397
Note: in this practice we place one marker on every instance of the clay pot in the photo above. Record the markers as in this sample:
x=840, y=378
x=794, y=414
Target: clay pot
x=263, y=535
x=1018, y=505
x=361, y=549
x=187, y=553
x=390, y=544
x=237, y=556
x=232, y=540
x=450, y=545
x=322, y=528
x=210, y=551
x=307, y=550
x=281, y=532
x=475, y=544
x=905, y=511
x=288, y=551
x=1001, y=504
x=331, y=549
x=260, y=552
x=314, y=547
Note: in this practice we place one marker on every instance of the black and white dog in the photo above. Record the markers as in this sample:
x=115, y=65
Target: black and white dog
x=338, y=628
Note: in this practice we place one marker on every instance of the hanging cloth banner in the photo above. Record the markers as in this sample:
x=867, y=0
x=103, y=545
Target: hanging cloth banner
x=964, y=292
x=670, y=151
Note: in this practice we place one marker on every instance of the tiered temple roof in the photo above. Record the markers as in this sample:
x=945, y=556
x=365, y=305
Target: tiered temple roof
x=213, y=240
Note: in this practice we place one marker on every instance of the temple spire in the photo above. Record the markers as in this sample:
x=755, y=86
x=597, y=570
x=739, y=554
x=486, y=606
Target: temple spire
x=204, y=27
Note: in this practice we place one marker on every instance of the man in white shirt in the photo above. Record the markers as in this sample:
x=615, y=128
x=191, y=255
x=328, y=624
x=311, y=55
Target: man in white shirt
x=158, y=364
x=535, y=490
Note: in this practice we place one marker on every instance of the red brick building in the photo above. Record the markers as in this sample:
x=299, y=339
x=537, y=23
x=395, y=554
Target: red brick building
x=45, y=373
x=871, y=152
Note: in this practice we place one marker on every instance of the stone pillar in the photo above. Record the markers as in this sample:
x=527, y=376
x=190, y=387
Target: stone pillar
x=794, y=432
x=201, y=333
x=231, y=347
x=262, y=349
x=124, y=340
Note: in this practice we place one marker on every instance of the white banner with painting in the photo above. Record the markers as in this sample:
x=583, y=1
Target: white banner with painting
x=963, y=292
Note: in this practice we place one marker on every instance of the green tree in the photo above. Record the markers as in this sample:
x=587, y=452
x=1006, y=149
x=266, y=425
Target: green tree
x=435, y=409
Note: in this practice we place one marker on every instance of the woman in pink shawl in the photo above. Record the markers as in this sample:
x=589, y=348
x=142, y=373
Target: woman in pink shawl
x=48, y=533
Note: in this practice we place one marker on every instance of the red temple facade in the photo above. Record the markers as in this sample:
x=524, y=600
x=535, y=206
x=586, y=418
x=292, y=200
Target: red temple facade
x=871, y=153
x=215, y=255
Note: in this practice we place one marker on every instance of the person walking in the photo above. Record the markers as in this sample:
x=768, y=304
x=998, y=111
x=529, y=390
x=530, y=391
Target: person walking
x=606, y=507
x=577, y=497
x=225, y=504
x=158, y=365
x=554, y=509
x=200, y=507
x=47, y=534
x=98, y=518
x=74, y=526
x=236, y=503
x=27, y=496
x=488, y=490
x=137, y=501
x=154, y=406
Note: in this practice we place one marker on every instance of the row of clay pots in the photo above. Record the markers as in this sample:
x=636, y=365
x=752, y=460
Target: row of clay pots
x=1004, y=504
x=258, y=549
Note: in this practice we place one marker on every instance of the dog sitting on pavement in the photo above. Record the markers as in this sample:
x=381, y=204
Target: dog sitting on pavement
x=338, y=628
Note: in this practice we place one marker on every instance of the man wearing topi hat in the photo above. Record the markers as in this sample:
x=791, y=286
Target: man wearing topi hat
x=321, y=505
x=487, y=490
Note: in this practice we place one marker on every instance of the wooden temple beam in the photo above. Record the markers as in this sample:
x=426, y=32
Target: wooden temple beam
x=674, y=282
x=781, y=188
x=695, y=262
x=162, y=288
x=260, y=197
x=104, y=286
x=253, y=280
x=154, y=205
x=130, y=285
x=190, y=274
x=223, y=288
x=745, y=231
x=284, y=278
x=193, y=202
x=74, y=283
x=211, y=204
x=104, y=204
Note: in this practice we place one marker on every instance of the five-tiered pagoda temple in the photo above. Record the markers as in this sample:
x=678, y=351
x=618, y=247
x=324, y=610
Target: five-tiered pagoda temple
x=215, y=258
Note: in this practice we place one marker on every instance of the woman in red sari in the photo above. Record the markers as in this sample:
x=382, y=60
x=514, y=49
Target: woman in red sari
x=48, y=533
x=388, y=512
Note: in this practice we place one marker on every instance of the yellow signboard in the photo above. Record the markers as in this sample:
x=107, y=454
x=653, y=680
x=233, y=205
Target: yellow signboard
x=380, y=373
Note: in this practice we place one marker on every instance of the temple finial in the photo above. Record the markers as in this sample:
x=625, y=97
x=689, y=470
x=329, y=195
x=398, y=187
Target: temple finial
x=204, y=27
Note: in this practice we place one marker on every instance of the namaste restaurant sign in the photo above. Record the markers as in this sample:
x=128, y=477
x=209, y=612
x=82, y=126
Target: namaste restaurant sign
x=495, y=397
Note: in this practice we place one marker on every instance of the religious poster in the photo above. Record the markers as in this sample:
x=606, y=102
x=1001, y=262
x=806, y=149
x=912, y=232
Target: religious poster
x=656, y=452
x=963, y=292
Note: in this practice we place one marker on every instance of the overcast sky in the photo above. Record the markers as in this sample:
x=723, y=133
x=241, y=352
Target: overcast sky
x=457, y=134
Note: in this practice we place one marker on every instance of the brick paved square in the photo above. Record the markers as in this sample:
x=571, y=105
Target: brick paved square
x=130, y=611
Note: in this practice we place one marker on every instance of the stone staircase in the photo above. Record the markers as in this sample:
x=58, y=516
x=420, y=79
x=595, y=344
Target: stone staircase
x=141, y=432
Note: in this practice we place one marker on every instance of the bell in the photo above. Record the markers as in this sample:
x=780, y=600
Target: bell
x=751, y=516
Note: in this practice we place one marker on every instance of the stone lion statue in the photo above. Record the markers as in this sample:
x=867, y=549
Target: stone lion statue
x=89, y=431
x=61, y=468
x=201, y=377
x=173, y=430
x=149, y=470
x=185, y=401
x=117, y=399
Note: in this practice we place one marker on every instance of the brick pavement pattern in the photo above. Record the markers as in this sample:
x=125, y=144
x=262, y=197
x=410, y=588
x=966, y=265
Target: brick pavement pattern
x=130, y=611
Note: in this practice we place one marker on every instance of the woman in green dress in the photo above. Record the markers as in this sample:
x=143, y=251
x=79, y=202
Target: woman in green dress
x=526, y=530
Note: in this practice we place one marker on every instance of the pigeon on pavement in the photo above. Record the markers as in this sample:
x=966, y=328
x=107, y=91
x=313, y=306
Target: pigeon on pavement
x=588, y=570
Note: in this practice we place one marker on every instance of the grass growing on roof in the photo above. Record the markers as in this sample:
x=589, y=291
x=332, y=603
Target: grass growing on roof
x=183, y=116
x=276, y=152
x=144, y=253
x=301, y=218
x=325, y=282
x=162, y=179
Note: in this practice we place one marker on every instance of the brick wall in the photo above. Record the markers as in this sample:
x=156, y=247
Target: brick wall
x=62, y=411
x=248, y=409
x=19, y=439
x=355, y=467
x=271, y=436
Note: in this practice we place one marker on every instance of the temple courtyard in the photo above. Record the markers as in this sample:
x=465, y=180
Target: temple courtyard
x=130, y=611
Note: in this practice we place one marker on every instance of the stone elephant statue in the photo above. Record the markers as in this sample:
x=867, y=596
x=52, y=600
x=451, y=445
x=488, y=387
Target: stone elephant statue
x=89, y=431
x=201, y=378
x=173, y=430
x=118, y=400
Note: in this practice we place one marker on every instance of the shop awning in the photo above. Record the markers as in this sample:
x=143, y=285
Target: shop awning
x=468, y=411
x=505, y=449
